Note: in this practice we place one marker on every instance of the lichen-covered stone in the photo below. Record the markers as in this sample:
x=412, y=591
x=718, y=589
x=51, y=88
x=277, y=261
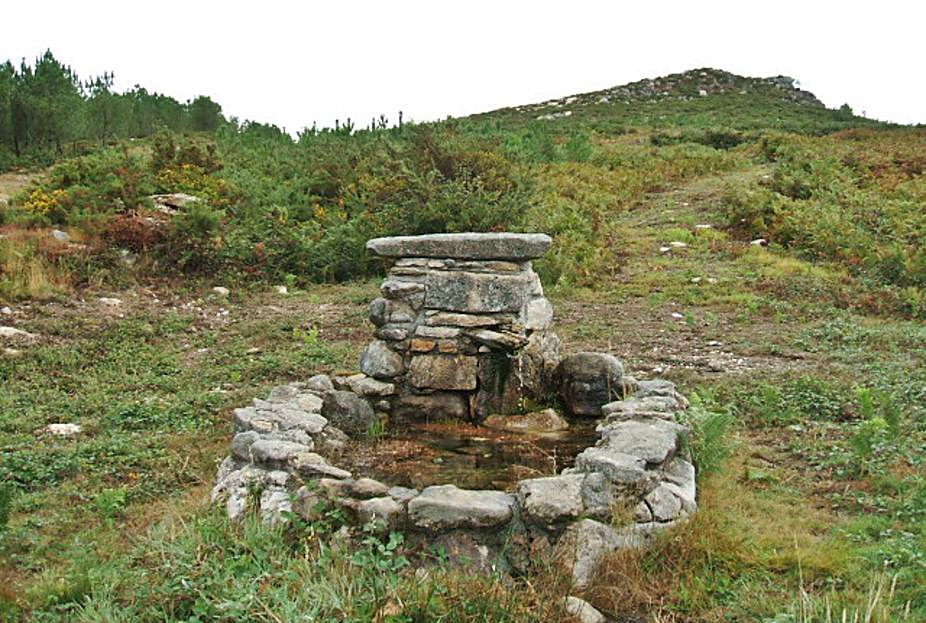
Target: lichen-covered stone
x=588, y=381
x=664, y=504
x=383, y=512
x=275, y=452
x=463, y=320
x=402, y=495
x=618, y=467
x=380, y=361
x=663, y=407
x=363, y=385
x=431, y=407
x=654, y=441
x=680, y=480
x=544, y=421
x=241, y=444
x=497, y=340
x=583, y=611
x=476, y=293
x=464, y=246
x=551, y=499
x=319, y=383
x=539, y=314
x=274, y=504
x=402, y=289
x=449, y=372
x=368, y=488
x=586, y=542
x=447, y=506
x=348, y=411
x=437, y=332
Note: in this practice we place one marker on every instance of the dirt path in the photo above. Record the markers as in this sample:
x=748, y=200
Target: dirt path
x=12, y=182
x=681, y=310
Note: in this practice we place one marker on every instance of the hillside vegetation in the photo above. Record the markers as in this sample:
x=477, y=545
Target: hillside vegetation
x=731, y=233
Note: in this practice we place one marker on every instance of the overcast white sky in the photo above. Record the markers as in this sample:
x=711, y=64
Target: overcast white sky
x=292, y=63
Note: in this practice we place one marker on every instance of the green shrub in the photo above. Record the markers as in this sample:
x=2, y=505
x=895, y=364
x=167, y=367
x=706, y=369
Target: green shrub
x=710, y=439
x=6, y=501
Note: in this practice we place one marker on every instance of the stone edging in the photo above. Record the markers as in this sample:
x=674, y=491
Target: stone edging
x=637, y=476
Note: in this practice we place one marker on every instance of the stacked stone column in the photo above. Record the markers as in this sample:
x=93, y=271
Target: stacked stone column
x=462, y=327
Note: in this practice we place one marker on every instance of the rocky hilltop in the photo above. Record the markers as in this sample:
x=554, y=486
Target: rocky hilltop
x=687, y=85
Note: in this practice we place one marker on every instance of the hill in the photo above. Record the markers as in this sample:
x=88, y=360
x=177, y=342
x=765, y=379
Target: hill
x=696, y=98
x=758, y=249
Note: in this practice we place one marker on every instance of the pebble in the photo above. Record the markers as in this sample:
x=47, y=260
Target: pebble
x=111, y=302
x=63, y=429
x=759, y=242
x=6, y=311
x=677, y=315
x=282, y=290
x=17, y=333
x=665, y=249
x=695, y=280
x=221, y=290
x=678, y=244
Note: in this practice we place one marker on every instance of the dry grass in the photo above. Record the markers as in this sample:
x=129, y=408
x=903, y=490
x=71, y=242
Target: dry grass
x=739, y=537
x=25, y=272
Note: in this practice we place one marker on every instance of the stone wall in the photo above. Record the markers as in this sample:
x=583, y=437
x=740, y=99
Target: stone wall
x=462, y=328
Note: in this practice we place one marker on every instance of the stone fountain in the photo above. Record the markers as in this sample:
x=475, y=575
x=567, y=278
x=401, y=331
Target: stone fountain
x=463, y=331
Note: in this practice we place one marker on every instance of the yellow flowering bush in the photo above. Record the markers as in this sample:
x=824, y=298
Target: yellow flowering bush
x=45, y=204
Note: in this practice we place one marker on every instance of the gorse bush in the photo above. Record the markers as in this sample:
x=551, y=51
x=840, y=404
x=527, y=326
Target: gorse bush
x=827, y=202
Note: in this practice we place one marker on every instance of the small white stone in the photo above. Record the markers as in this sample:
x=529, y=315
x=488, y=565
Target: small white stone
x=110, y=302
x=678, y=316
x=6, y=311
x=759, y=242
x=282, y=290
x=583, y=611
x=695, y=280
x=665, y=249
x=221, y=290
x=677, y=244
x=63, y=429
x=16, y=333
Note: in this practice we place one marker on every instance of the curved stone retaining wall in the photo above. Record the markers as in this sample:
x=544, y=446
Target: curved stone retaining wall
x=634, y=480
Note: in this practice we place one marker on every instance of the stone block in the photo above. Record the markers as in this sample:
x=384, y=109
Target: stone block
x=380, y=361
x=421, y=345
x=477, y=293
x=430, y=407
x=446, y=506
x=464, y=246
x=456, y=372
x=588, y=381
x=552, y=499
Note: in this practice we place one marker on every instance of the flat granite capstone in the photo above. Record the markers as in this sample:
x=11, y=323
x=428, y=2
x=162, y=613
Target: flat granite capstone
x=465, y=246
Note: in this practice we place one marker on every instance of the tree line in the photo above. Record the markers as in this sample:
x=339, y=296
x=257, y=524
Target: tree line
x=46, y=110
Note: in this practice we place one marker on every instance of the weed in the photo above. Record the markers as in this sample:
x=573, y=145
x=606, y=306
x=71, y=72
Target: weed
x=711, y=444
